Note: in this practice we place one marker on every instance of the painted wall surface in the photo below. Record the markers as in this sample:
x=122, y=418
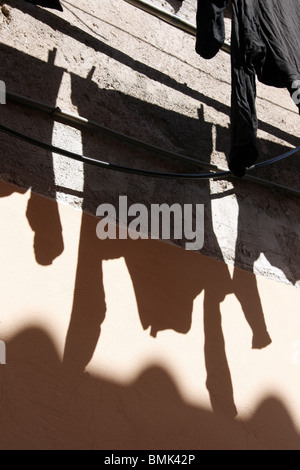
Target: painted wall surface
x=127, y=344
x=123, y=344
x=129, y=71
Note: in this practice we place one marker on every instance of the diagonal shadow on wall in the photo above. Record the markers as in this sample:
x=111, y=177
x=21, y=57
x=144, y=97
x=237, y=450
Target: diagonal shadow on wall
x=63, y=26
x=29, y=76
x=187, y=276
x=188, y=279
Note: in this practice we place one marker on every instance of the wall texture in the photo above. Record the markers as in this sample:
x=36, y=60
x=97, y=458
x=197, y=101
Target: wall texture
x=125, y=69
x=184, y=358
x=128, y=344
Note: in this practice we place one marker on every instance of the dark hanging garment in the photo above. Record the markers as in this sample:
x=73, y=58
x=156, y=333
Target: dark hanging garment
x=210, y=27
x=54, y=4
x=264, y=44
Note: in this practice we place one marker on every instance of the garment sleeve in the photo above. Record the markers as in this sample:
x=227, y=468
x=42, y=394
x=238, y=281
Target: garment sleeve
x=210, y=27
x=247, y=58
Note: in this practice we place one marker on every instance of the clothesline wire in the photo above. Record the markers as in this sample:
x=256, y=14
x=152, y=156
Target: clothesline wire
x=112, y=166
x=190, y=29
x=107, y=165
x=214, y=171
x=57, y=113
x=218, y=173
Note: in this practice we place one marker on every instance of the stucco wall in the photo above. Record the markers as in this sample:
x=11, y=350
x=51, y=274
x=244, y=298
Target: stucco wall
x=174, y=365
x=125, y=69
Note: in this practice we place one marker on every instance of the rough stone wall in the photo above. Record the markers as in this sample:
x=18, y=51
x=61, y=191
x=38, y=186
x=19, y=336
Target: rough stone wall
x=125, y=69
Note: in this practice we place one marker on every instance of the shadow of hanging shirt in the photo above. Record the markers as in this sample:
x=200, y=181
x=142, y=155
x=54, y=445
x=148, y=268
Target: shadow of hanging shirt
x=264, y=44
x=53, y=4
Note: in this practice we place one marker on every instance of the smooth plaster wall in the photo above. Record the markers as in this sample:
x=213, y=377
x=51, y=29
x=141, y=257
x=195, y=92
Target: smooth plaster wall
x=173, y=366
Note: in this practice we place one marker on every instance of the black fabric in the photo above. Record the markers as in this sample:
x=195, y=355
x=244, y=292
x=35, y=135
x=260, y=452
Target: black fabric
x=210, y=27
x=264, y=44
x=54, y=4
